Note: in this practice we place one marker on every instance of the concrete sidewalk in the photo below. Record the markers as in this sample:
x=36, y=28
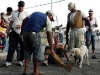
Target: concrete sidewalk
x=2, y=53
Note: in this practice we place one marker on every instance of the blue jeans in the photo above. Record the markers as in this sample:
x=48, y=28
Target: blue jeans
x=61, y=37
x=90, y=39
x=2, y=40
x=32, y=44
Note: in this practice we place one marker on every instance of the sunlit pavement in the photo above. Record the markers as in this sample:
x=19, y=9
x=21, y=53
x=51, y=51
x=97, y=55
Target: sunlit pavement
x=54, y=69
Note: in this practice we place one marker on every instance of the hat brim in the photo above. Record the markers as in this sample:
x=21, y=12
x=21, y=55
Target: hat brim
x=91, y=12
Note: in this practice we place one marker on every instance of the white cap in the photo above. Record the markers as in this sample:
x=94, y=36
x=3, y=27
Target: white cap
x=71, y=6
x=52, y=13
x=91, y=11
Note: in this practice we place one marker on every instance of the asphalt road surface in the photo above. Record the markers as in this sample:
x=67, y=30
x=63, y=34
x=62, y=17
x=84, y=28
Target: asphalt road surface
x=54, y=69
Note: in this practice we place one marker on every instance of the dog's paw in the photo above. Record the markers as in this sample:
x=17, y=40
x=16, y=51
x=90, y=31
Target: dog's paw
x=88, y=64
x=74, y=63
x=80, y=66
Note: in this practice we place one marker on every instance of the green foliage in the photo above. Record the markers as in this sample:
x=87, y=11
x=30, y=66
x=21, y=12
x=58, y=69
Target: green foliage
x=53, y=29
x=43, y=30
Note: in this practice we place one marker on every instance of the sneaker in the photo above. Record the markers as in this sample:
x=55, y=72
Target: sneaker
x=45, y=62
x=23, y=60
x=20, y=63
x=94, y=57
x=7, y=64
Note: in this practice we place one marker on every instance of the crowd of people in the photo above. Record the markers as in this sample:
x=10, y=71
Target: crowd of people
x=21, y=32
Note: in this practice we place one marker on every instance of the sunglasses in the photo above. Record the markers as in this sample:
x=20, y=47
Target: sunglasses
x=18, y=15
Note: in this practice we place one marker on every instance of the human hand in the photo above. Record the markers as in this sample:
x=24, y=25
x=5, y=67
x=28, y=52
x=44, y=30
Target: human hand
x=18, y=26
x=90, y=29
x=52, y=52
x=8, y=33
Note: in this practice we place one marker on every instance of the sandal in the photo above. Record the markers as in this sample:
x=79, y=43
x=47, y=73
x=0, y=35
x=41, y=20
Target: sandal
x=39, y=73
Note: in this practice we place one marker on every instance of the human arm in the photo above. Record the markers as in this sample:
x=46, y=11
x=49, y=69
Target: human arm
x=87, y=22
x=25, y=20
x=10, y=24
x=9, y=28
x=49, y=38
x=62, y=46
x=67, y=31
x=2, y=23
x=96, y=25
x=49, y=34
x=23, y=23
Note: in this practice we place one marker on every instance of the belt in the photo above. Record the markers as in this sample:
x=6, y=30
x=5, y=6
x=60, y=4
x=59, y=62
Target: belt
x=30, y=32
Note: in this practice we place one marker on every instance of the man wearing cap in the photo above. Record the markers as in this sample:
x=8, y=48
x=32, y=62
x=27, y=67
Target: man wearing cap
x=14, y=36
x=31, y=28
x=91, y=35
x=75, y=21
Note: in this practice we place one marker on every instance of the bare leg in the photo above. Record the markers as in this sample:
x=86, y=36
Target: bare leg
x=93, y=51
x=27, y=61
x=66, y=56
x=36, y=70
x=93, y=54
x=46, y=56
x=35, y=66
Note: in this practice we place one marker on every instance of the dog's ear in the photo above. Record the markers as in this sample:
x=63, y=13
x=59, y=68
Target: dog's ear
x=77, y=52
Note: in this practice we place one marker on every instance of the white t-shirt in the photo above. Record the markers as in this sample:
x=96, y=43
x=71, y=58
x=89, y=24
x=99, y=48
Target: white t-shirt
x=61, y=30
x=7, y=19
x=48, y=25
x=72, y=18
x=92, y=23
x=17, y=19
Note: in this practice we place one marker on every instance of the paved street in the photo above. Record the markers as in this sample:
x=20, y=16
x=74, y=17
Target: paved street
x=54, y=69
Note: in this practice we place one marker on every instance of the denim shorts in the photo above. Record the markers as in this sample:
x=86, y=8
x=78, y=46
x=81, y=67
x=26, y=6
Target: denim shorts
x=32, y=44
x=91, y=39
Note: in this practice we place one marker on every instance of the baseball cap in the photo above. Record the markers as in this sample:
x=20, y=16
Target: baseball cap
x=91, y=11
x=21, y=3
x=71, y=6
x=52, y=13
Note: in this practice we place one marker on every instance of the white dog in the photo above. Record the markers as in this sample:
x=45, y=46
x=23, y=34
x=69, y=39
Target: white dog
x=80, y=53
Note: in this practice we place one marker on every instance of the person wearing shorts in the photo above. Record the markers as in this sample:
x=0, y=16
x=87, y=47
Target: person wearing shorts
x=31, y=28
